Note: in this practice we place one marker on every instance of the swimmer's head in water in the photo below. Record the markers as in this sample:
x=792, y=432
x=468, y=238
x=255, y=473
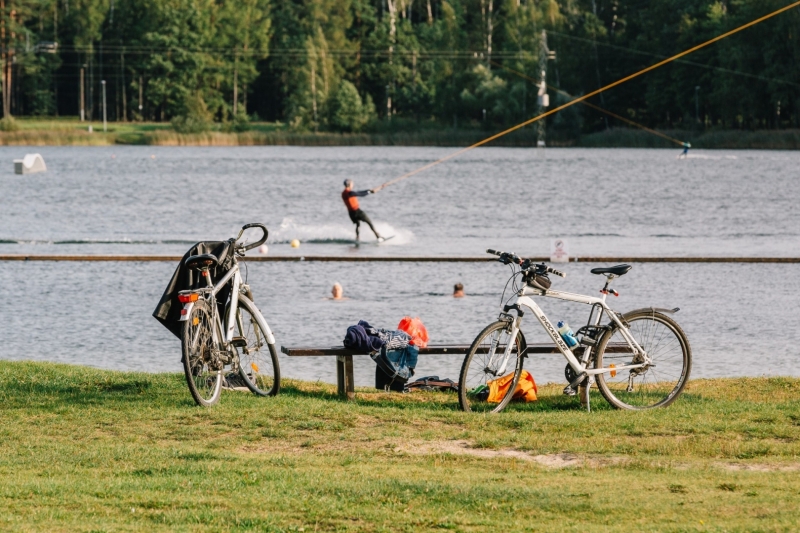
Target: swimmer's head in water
x=458, y=290
x=337, y=291
x=348, y=183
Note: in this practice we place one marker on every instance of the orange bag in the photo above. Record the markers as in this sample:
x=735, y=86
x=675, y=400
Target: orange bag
x=415, y=328
x=526, y=388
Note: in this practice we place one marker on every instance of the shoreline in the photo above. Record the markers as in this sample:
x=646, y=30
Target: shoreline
x=67, y=132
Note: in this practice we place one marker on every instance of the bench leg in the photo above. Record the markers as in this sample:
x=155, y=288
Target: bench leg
x=344, y=377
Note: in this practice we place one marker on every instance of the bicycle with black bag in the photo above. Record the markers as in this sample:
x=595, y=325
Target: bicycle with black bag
x=225, y=340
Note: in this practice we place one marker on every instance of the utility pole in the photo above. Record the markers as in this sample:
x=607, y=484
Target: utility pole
x=697, y=104
x=141, y=79
x=105, y=123
x=543, y=97
x=236, y=81
x=124, y=89
x=90, y=112
x=83, y=100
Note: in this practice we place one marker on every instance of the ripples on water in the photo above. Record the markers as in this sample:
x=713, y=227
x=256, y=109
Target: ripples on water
x=740, y=318
x=605, y=201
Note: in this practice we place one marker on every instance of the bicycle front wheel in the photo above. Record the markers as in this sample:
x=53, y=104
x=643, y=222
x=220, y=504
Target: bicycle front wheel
x=258, y=358
x=489, y=375
x=655, y=385
x=202, y=368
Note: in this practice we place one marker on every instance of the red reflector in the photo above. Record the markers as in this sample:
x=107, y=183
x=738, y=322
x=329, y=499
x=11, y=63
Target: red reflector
x=186, y=298
x=183, y=312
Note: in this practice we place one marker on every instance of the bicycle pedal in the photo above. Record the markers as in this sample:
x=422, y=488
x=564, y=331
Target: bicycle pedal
x=569, y=391
x=239, y=342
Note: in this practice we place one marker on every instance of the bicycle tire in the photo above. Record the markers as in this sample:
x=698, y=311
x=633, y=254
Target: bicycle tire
x=259, y=369
x=477, y=370
x=205, y=382
x=666, y=344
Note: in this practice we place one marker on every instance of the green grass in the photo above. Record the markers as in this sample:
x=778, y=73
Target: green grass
x=91, y=450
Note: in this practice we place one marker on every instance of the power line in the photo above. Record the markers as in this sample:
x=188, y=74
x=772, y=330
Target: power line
x=593, y=93
x=598, y=108
x=684, y=62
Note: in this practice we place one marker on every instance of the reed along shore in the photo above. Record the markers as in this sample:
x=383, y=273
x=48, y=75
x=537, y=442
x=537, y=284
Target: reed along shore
x=69, y=132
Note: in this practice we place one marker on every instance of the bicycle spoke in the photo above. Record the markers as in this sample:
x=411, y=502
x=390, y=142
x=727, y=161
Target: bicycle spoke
x=656, y=383
x=486, y=367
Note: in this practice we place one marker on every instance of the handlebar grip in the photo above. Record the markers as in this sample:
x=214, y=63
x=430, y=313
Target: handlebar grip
x=493, y=252
x=259, y=242
x=556, y=272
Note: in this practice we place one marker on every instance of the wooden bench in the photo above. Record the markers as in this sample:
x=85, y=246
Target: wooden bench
x=344, y=359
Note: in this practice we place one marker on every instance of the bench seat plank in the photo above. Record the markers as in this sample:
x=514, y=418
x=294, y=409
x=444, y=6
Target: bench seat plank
x=431, y=349
x=344, y=357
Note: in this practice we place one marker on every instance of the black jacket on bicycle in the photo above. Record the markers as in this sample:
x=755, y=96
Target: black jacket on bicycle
x=168, y=310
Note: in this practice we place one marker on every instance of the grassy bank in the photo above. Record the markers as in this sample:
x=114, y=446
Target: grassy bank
x=69, y=131
x=91, y=450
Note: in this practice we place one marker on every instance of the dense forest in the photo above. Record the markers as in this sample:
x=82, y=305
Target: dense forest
x=350, y=65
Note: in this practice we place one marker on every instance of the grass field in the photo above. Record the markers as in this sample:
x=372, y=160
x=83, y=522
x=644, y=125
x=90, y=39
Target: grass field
x=91, y=450
x=70, y=131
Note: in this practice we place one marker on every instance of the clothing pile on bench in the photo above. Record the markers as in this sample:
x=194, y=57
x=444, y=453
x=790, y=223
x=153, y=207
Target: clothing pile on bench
x=395, y=351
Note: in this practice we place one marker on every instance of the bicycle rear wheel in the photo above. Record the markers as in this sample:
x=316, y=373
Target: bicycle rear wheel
x=258, y=359
x=656, y=385
x=203, y=373
x=486, y=363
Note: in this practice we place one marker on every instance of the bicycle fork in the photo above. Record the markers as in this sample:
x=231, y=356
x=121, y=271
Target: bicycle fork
x=500, y=370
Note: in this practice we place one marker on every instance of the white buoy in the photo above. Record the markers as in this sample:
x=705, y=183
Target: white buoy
x=263, y=249
x=295, y=243
x=30, y=164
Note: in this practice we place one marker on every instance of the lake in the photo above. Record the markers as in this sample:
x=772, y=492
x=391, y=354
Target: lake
x=740, y=318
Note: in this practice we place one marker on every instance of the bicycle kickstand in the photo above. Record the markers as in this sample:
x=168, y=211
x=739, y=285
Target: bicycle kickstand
x=584, y=393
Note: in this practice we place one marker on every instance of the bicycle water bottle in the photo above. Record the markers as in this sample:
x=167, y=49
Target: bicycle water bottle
x=567, y=334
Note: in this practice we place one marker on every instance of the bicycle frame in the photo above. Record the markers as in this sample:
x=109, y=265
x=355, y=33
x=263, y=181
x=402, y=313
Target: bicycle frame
x=235, y=278
x=524, y=300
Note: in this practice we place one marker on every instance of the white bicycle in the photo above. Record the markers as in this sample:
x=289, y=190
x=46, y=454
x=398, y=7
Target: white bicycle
x=226, y=340
x=639, y=360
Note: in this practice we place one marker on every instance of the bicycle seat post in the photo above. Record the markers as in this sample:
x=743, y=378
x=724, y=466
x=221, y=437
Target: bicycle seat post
x=205, y=274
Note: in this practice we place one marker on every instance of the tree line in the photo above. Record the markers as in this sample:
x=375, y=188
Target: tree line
x=352, y=65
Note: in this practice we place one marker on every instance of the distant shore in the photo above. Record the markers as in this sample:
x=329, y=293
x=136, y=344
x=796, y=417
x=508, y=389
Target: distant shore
x=72, y=132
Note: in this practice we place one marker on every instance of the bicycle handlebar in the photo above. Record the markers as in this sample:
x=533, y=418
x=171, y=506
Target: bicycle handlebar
x=257, y=243
x=507, y=257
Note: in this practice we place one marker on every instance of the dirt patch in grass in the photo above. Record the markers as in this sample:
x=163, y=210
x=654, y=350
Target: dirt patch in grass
x=463, y=447
x=759, y=467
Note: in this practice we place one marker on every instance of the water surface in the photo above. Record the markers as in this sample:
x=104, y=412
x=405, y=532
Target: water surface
x=740, y=318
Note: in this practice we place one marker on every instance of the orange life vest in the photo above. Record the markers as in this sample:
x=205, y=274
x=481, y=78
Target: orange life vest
x=350, y=200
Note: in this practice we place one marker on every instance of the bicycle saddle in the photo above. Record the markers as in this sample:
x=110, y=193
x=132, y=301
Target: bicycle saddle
x=618, y=270
x=198, y=262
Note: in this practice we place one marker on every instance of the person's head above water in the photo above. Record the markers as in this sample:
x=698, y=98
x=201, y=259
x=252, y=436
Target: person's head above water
x=458, y=290
x=348, y=184
x=337, y=291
